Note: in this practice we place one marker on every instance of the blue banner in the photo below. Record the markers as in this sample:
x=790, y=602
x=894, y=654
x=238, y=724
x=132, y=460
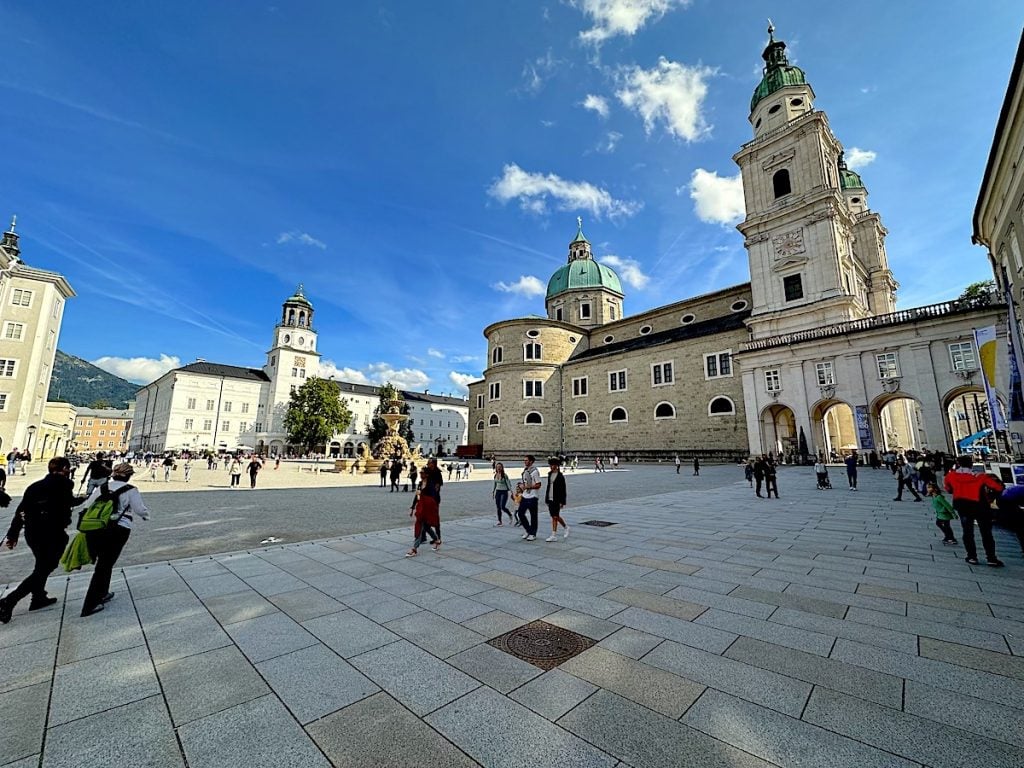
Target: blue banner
x=864, y=436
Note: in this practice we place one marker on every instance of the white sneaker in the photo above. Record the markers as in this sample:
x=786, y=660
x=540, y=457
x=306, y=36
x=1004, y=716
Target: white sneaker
x=565, y=535
x=531, y=538
x=526, y=535
x=552, y=537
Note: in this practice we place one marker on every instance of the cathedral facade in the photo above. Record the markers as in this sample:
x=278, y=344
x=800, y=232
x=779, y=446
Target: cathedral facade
x=809, y=356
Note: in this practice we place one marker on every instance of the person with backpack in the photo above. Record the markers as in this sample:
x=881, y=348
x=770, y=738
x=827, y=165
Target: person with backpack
x=110, y=509
x=44, y=513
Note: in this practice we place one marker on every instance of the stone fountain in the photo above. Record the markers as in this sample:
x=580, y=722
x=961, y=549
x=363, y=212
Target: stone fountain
x=392, y=445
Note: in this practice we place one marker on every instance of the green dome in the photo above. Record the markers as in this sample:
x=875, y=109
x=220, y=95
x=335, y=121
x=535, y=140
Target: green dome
x=298, y=298
x=849, y=179
x=583, y=273
x=776, y=79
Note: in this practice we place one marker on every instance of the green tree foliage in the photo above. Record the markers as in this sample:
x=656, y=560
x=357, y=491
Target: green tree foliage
x=389, y=394
x=315, y=414
x=979, y=292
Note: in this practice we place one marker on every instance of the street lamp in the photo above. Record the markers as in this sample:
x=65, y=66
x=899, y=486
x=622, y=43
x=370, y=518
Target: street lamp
x=31, y=434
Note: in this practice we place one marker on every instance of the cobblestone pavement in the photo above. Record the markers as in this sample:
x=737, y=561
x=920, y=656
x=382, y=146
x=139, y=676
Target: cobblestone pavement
x=823, y=629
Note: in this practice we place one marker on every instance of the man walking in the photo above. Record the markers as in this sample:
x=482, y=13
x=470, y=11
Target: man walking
x=851, y=470
x=528, y=486
x=905, y=479
x=44, y=512
x=678, y=463
x=760, y=468
x=696, y=466
x=255, y=465
x=96, y=473
x=971, y=492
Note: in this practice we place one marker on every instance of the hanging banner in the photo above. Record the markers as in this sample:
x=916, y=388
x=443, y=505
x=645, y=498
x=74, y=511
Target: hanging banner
x=863, y=418
x=1012, y=348
x=985, y=338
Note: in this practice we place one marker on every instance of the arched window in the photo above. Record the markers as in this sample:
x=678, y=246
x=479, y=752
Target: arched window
x=580, y=417
x=665, y=411
x=493, y=420
x=496, y=355
x=302, y=319
x=619, y=414
x=291, y=317
x=480, y=425
x=721, y=406
x=780, y=183
x=533, y=418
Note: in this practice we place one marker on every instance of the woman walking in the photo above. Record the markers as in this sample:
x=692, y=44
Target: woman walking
x=555, y=498
x=427, y=515
x=235, y=470
x=254, y=469
x=188, y=469
x=500, y=491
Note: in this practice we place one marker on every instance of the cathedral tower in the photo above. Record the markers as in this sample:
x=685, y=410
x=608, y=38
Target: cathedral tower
x=583, y=292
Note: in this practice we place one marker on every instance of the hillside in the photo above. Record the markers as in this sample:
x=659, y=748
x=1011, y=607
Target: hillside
x=81, y=383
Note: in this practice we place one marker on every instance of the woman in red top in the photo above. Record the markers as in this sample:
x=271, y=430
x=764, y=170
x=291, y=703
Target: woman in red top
x=972, y=494
x=427, y=513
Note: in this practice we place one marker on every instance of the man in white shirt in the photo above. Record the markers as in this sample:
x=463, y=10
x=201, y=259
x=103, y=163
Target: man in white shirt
x=528, y=487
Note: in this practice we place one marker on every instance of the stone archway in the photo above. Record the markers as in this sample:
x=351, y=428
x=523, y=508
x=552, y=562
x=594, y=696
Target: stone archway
x=835, y=427
x=966, y=411
x=778, y=430
x=900, y=422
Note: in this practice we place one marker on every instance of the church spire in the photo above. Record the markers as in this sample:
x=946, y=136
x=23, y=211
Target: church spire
x=579, y=248
x=9, y=241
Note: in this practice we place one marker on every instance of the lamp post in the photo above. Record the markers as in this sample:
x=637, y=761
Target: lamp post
x=31, y=433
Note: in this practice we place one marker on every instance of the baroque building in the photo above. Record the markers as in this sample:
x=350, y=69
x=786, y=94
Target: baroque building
x=810, y=356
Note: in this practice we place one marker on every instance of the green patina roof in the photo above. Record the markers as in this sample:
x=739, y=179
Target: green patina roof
x=583, y=273
x=778, y=73
x=580, y=237
x=298, y=297
x=849, y=179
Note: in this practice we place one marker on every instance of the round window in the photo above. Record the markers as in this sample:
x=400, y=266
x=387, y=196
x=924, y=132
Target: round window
x=688, y=318
x=287, y=338
x=738, y=306
x=609, y=339
x=854, y=199
x=774, y=109
x=797, y=102
x=572, y=339
x=645, y=330
x=301, y=341
x=533, y=333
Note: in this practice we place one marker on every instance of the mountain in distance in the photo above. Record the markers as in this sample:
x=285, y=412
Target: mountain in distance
x=81, y=383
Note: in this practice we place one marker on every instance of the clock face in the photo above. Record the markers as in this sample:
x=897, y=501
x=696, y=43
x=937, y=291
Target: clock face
x=301, y=341
x=788, y=243
x=287, y=338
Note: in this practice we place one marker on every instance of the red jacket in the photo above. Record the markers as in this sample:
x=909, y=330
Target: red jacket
x=967, y=486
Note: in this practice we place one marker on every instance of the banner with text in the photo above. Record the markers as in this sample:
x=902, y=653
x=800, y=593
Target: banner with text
x=985, y=338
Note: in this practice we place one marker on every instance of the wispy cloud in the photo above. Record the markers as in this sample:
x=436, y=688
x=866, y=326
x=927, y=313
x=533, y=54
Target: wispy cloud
x=670, y=94
x=141, y=370
x=435, y=353
x=859, y=158
x=717, y=199
x=598, y=104
x=535, y=190
x=464, y=358
x=526, y=285
x=621, y=17
x=628, y=269
x=609, y=143
x=302, y=238
x=462, y=381
x=538, y=71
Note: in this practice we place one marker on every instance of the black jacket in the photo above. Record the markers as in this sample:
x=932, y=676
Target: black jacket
x=555, y=493
x=45, y=507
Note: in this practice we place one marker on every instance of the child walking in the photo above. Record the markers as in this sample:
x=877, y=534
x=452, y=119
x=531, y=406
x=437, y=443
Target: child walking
x=555, y=497
x=944, y=512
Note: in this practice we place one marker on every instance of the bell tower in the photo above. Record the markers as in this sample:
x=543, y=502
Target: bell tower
x=292, y=358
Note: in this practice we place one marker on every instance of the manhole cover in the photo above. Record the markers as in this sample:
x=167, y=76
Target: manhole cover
x=543, y=645
x=598, y=523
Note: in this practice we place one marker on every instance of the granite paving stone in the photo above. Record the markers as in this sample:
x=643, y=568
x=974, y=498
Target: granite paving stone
x=28, y=762
x=885, y=638
x=380, y=606
x=790, y=599
x=663, y=565
x=238, y=606
x=518, y=605
x=337, y=585
x=435, y=634
x=31, y=628
x=458, y=608
x=86, y=639
x=936, y=601
x=581, y=602
x=456, y=584
x=680, y=609
x=992, y=719
x=257, y=733
x=420, y=681
x=582, y=623
x=156, y=581
x=975, y=658
x=103, y=740
x=306, y=603
x=630, y=642
x=655, y=688
x=275, y=584
x=27, y=664
x=933, y=629
x=553, y=693
x=221, y=584
x=267, y=636
x=907, y=735
x=23, y=720
x=357, y=737
x=85, y=687
x=723, y=602
x=511, y=581
x=688, y=633
x=501, y=671
x=204, y=683
x=183, y=637
x=348, y=633
x=526, y=739
x=782, y=740
x=853, y=599
x=998, y=625
x=791, y=637
x=755, y=684
x=494, y=623
x=315, y=681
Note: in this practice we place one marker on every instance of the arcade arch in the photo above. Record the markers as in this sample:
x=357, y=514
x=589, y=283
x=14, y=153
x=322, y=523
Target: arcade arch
x=899, y=422
x=778, y=430
x=835, y=427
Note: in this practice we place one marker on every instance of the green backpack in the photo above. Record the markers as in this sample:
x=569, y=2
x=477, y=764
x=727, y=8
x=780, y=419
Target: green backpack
x=102, y=513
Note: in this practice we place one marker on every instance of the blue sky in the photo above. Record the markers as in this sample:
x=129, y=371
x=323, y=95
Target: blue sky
x=420, y=166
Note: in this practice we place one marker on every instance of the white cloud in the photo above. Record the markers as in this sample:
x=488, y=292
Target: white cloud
x=628, y=269
x=670, y=93
x=464, y=358
x=597, y=104
x=539, y=71
x=435, y=353
x=526, y=285
x=621, y=17
x=302, y=238
x=141, y=370
x=377, y=374
x=717, y=199
x=328, y=370
x=534, y=190
x=858, y=158
x=462, y=381
x=610, y=142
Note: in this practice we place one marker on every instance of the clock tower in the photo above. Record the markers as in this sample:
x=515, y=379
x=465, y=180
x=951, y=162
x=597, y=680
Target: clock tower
x=816, y=251
x=292, y=358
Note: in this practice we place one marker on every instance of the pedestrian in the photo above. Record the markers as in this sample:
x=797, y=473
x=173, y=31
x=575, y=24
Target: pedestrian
x=615, y=461
x=944, y=512
x=748, y=472
x=426, y=514
x=188, y=469
x=105, y=545
x=972, y=497
x=678, y=463
x=696, y=466
x=44, y=513
x=555, y=498
x=528, y=486
x=821, y=470
x=235, y=471
x=96, y=473
x=384, y=474
x=851, y=470
x=413, y=474
x=277, y=462
x=759, y=469
x=500, y=491
x=1011, y=507
x=770, y=480
x=254, y=467
x=209, y=462
x=154, y=465
x=12, y=463
x=450, y=468
x=168, y=466
x=395, y=475
x=904, y=479
x=436, y=479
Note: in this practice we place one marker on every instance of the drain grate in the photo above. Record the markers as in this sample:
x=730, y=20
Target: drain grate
x=541, y=644
x=599, y=523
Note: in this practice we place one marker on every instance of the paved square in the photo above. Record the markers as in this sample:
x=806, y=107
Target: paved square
x=823, y=629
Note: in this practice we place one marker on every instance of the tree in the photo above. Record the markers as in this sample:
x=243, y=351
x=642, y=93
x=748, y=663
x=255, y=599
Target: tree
x=979, y=293
x=389, y=395
x=101, y=403
x=315, y=413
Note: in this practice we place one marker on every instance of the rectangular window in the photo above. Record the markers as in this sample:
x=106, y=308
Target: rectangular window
x=245, y=407
x=90, y=423
x=210, y=404
x=479, y=401
x=51, y=340
x=103, y=422
x=825, y=373
x=961, y=354
x=7, y=368
x=617, y=381
x=772, y=381
x=558, y=313
x=661, y=374
x=888, y=365
x=718, y=365
x=102, y=433
x=794, y=287
x=611, y=311
x=494, y=390
x=225, y=426
x=3, y=401
x=242, y=426
x=302, y=373
x=295, y=372
x=533, y=388
x=531, y=351
x=207, y=425
x=579, y=386
x=227, y=406
x=21, y=298
x=14, y=331
x=259, y=426
x=189, y=423
x=584, y=310
x=191, y=403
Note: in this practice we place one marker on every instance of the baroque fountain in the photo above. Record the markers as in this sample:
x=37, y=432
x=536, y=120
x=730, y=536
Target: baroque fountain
x=392, y=445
